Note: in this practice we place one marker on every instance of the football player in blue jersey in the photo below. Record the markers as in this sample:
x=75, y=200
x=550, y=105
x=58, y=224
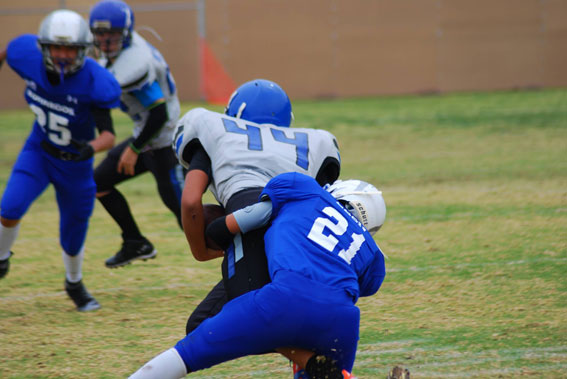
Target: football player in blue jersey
x=149, y=97
x=70, y=95
x=321, y=257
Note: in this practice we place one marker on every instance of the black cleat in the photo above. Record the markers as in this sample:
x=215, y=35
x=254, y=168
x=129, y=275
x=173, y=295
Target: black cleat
x=81, y=297
x=130, y=251
x=5, y=266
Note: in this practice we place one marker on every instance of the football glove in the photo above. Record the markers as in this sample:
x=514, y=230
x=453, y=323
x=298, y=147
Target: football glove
x=86, y=150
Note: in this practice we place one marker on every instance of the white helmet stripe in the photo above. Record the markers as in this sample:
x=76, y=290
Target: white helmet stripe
x=240, y=110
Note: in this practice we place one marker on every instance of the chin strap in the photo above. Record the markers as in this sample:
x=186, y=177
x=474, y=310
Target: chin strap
x=61, y=71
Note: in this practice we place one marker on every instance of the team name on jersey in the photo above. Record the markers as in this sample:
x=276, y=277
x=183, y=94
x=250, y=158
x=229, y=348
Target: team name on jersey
x=50, y=104
x=31, y=84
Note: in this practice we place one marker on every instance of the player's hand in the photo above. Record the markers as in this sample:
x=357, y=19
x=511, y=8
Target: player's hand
x=3, y=54
x=127, y=161
x=86, y=150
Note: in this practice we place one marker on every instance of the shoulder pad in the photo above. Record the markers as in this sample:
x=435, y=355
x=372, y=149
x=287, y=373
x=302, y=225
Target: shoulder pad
x=187, y=130
x=133, y=67
x=22, y=54
x=105, y=89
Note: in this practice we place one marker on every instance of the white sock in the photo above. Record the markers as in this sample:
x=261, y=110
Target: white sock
x=74, y=266
x=167, y=365
x=7, y=238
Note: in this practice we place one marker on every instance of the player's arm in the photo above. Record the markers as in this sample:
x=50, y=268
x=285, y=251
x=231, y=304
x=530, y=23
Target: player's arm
x=223, y=229
x=371, y=278
x=152, y=98
x=105, y=139
x=196, y=183
x=156, y=120
x=106, y=136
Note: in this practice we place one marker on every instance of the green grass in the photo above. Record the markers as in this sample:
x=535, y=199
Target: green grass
x=476, y=234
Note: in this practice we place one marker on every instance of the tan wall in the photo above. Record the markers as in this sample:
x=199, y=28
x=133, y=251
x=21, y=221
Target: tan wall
x=342, y=48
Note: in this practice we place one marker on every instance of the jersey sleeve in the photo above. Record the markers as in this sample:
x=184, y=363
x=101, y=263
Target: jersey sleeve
x=253, y=216
x=370, y=280
x=186, y=133
x=330, y=167
x=22, y=53
x=149, y=94
x=105, y=88
x=133, y=69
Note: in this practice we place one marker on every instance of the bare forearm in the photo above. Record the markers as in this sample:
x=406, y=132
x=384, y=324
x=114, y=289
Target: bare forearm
x=192, y=215
x=103, y=142
x=194, y=228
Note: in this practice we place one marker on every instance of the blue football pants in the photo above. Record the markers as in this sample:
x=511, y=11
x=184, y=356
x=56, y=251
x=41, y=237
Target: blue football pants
x=74, y=187
x=292, y=311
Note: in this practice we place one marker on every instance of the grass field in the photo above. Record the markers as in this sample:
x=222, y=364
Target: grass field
x=476, y=234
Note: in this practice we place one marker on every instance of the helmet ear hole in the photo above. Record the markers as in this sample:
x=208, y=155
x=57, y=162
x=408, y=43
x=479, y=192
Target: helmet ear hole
x=345, y=204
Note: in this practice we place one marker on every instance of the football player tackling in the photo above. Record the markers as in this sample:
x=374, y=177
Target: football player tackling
x=321, y=258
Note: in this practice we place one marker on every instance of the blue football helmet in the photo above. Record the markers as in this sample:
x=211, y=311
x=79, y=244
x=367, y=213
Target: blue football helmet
x=112, y=16
x=260, y=101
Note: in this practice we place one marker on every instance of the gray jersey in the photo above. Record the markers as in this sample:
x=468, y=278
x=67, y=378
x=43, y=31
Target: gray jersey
x=245, y=154
x=138, y=66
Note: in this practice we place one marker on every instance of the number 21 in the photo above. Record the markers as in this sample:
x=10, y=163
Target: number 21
x=337, y=227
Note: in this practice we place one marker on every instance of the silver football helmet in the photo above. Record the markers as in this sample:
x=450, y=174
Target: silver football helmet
x=64, y=27
x=362, y=200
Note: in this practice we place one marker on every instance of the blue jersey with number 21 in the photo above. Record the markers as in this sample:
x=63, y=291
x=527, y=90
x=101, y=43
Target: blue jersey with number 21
x=313, y=235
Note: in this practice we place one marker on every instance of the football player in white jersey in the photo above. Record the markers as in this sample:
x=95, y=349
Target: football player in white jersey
x=149, y=97
x=235, y=154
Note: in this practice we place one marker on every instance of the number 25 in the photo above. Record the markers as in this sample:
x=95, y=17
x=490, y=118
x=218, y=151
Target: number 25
x=54, y=125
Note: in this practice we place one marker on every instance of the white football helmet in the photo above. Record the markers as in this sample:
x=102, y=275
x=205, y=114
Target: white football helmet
x=362, y=200
x=64, y=27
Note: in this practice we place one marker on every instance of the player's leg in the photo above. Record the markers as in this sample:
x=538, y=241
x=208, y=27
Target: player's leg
x=166, y=365
x=210, y=306
x=331, y=327
x=265, y=319
x=169, y=176
x=238, y=330
x=241, y=283
x=244, y=265
x=75, y=193
x=27, y=181
x=134, y=245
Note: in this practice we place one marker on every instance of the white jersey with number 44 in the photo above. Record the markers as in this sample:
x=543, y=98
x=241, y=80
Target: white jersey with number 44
x=245, y=154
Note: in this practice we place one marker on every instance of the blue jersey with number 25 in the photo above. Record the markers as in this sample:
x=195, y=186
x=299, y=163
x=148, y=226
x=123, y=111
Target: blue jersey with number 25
x=312, y=234
x=63, y=111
